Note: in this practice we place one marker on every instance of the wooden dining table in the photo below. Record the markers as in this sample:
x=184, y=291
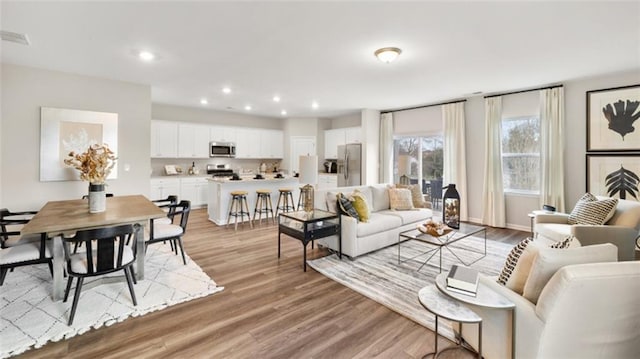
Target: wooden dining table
x=67, y=217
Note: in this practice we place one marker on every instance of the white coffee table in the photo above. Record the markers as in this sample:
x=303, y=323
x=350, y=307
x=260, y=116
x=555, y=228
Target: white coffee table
x=446, y=307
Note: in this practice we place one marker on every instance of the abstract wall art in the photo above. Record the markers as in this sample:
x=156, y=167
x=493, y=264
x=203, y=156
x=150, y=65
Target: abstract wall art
x=613, y=119
x=614, y=175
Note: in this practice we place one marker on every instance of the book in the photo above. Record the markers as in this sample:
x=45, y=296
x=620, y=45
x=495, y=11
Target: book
x=463, y=278
x=461, y=291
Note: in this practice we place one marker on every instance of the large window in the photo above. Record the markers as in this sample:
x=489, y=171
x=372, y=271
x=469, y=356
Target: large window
x=521, y=154
x=418, y=157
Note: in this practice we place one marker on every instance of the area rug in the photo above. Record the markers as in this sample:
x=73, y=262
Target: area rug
x=379, y=277
x=29, y=318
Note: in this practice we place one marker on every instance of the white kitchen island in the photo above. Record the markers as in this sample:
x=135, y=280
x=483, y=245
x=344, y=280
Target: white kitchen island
x=220, y=194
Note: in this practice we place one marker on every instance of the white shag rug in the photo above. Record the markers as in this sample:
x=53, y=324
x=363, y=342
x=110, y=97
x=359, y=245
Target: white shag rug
x=29, y=318
x=378, y=276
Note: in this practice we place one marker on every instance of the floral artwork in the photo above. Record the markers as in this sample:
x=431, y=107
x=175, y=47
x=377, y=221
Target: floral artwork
x=94, y=164
x=612, y=119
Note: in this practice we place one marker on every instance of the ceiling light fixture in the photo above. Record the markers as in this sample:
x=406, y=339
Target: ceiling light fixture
x=204, y=101
x=276, y=98
x=314, y=105
x=283, y=112
x=387, y=54
x=226, y=90
x=146, y=56
x=247, y=107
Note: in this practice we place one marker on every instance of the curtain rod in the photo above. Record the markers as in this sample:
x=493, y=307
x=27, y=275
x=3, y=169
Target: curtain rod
x=417, y=107
x=522, y=91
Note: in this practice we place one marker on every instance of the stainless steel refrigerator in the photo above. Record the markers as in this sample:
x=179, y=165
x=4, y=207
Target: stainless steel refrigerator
x=349, y=165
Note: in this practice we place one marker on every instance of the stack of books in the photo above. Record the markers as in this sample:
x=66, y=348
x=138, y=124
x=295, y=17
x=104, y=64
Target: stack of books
x=463, y=280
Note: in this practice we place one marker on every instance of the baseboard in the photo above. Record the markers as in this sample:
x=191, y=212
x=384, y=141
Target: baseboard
x=517, y=227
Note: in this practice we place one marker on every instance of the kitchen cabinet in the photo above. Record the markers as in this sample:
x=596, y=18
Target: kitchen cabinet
x=327, y=181
x=195, y=190
x=222, y=134
x=271, y=144
x=193, y=141
x=340, y=136
x=163, y=187
x=164, y=140
x=248, y=143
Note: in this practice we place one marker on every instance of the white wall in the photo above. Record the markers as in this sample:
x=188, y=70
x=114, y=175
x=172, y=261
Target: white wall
x=371, y=146
x=348, y=120
x=25, y=90
x=211, y=117
x=419, y=121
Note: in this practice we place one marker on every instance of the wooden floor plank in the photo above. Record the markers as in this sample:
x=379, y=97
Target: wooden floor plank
x=270, y=308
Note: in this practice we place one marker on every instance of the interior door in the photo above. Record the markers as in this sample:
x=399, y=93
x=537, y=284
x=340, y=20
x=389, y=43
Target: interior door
x=300, y=146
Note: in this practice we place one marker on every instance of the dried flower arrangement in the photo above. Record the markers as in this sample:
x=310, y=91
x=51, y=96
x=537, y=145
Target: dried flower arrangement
x=94, y=164
x=434, y=228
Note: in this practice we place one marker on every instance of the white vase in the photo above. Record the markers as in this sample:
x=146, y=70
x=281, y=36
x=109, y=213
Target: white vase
x=97, y=198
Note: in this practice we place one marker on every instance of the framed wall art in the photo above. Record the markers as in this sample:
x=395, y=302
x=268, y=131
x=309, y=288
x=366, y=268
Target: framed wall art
x=614, y=175
x=65, y=130
x=613, y=119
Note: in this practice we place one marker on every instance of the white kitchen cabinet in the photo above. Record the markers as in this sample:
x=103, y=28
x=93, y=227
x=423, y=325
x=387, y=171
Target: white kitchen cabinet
x=163, y=187
x=164, y=139
x=327, y=181
x=353, y=135
x=193, y=141
x=195, y=190
x=248, y=143
x=271, y=144
x=222, y=134
x=340, y=136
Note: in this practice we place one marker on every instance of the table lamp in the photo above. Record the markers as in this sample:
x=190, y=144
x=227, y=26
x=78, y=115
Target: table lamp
x=309, y=176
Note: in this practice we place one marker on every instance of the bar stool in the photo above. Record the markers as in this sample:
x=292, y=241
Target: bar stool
x=286, y=195
x=300, y=198
x=263, y=205
x=239, y=198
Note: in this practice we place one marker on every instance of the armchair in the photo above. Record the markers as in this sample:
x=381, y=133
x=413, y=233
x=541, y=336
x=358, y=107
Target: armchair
x=622, y=229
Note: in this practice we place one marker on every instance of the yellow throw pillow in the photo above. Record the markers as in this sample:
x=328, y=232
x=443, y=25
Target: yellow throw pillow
x=361, y=206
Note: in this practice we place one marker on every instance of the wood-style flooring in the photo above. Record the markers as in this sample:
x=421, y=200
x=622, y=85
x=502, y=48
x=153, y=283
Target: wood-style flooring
x=270, y=308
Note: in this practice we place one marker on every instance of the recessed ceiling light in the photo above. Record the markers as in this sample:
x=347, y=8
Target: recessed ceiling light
x=247, y=107
x=387, y=54
x=146, y=56
x=283, y=112
x=276, y=98
x=314, y=105
x=204, y=101
x=226, y=90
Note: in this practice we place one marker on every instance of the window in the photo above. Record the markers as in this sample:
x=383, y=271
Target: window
x=418, y=157
x=521, y=154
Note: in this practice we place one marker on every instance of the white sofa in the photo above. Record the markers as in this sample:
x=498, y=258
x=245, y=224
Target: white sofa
x=384, y=225
x=622, y=229
x=584, y=311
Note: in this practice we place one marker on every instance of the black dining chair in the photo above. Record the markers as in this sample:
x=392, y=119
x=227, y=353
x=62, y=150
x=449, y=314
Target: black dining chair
x=167, y=204
x=107, y=251
x=161, y=232
x=13, y=222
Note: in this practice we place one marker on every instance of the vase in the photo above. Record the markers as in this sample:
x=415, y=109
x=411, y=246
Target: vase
x=97, y=198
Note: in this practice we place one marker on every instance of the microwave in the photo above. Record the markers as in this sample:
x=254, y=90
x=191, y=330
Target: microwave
x=222, y=149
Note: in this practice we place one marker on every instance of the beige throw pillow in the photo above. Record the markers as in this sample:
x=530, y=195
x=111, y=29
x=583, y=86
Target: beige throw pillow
x=400, y=199
x=416, y=195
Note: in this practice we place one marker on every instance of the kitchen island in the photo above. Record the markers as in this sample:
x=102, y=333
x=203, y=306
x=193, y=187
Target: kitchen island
x=220, y=189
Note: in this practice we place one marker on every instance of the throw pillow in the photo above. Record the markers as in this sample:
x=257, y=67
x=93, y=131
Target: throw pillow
x=569, y=242
x=361, y=206
x=416, y=195
x=400, y=199
x=589, y=210
x=332, y=202
x=346, y=206
x=549, y=260
x=517, y=265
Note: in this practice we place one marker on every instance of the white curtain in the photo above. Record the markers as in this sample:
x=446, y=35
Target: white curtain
x=493, y=211
x=552, y=147
x=455, y=162
x=386, y=147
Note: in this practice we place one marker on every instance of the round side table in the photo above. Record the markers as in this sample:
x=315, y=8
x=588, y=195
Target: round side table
x=446, y=307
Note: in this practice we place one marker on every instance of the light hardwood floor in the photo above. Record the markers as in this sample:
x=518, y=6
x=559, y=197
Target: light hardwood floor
x=270, y=308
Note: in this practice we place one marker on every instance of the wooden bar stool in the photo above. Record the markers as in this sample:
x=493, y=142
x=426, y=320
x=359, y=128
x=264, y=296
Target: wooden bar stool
x=285, y=201
x=300, y=198
x=263, y=205
x=239, y=198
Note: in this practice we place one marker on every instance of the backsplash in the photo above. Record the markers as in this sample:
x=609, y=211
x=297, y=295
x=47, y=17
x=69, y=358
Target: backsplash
x=237, y=165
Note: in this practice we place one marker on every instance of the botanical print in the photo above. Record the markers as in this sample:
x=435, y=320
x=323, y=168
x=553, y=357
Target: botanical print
x=621, y=115
x=612, y=119
x=614, y=176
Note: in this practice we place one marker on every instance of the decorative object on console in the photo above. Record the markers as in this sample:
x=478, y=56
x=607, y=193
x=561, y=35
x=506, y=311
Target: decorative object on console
x=434, y=228
x=464, y=279
x=614, y=175
x=612, y=116
x=94, y=165
x=309, y=176
x=451, y=207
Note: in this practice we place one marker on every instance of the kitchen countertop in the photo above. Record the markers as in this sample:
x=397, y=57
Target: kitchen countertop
x=180, y=176
x=267, y=178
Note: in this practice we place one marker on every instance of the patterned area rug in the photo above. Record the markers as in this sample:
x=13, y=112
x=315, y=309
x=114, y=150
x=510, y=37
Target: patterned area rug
x=379, y=277
x=29, y=318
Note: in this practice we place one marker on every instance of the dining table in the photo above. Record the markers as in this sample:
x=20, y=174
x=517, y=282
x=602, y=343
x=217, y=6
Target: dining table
x=59, y=218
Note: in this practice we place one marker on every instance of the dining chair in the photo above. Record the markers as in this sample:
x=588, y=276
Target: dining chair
x=23, y=253
x=167, y=204
x=13, y=222
x=160, y=232
x=106, y=252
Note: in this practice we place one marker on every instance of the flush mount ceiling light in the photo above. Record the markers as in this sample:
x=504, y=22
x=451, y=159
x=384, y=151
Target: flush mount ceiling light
x=387, y=54
x=18, y=38
x=146, y=56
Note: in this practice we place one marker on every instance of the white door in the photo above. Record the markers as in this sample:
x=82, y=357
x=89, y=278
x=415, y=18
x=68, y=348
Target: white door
x=301, y=146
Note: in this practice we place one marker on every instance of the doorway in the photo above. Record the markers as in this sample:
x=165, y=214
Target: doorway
x=300, y=146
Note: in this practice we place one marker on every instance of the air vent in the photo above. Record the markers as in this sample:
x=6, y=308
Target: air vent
x=14, y=37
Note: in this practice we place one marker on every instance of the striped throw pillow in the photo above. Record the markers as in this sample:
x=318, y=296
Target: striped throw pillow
x=512, y=260
x=589, y=210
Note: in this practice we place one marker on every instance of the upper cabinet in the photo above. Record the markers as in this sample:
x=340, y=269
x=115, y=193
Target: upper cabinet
x=340, y=136
x=193, y=141
x=223, y=134
x=164, y=142
x=271, y=144
x=248, y=143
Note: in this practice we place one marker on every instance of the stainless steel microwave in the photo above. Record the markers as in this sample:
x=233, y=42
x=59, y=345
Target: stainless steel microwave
x=222, y=149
